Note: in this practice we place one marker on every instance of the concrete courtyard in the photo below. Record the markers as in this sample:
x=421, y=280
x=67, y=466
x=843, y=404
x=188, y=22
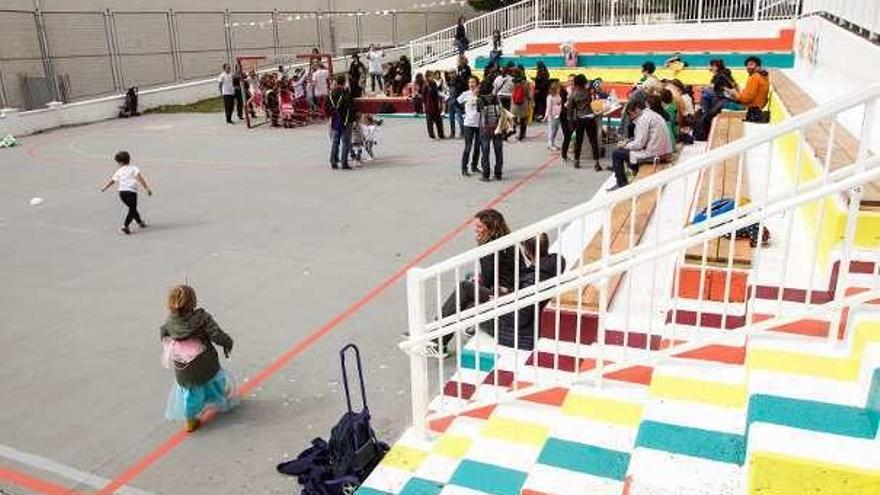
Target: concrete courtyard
x=289, y=256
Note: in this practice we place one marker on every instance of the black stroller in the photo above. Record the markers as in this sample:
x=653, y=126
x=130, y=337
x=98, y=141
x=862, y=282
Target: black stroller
x=130, y=107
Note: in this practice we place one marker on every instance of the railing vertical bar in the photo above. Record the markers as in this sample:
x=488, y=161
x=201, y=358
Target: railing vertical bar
x=458, y=335
x=651, y=308
x=790, y=216
x=728, y=275
x=829, y=147
x=557, y=317
x=603, y=293
x=756, y=265
x=516, y=256
x=704, y=255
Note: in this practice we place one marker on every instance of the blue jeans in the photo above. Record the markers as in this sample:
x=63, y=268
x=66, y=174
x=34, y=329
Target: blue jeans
x=471, y=148
x=497, y=142
x=456, y=114
x=338, y=155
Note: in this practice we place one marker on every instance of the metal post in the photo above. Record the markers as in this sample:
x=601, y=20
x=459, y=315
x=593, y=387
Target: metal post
x=756, y=13
x=45, y=54
x=426, y=24
x=4, y=98
x=172, y=43
x=227, y=32
x=418, y=363
x=394, y=28
x=700, y=12
x=275, y=39
x=537, y=12
x=358, y=29
x=111, y=49
x=318, y=31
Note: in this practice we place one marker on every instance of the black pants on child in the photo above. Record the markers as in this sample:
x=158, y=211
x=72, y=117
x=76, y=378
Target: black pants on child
x=239, y=104
x=435, y=120
x=130, y=199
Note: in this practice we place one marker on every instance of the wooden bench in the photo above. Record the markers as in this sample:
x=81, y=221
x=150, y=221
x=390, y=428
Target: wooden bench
x=621, y=217
x=722, y=178
x=845, y=146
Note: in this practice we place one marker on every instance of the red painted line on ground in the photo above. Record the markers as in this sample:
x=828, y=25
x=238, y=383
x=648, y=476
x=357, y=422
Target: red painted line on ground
x=33, y=484
x=258, y=379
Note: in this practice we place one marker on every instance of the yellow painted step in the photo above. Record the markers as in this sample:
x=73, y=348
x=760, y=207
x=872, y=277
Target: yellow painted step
x=702, y=391
x=603, y=409
x=778, y=474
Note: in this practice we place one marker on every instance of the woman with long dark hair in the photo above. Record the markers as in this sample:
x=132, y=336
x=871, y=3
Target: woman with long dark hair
x=489, y=225
x=582, y=120
x=542, y=89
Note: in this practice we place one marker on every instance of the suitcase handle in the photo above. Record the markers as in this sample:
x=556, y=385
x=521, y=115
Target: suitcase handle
x=342, y=359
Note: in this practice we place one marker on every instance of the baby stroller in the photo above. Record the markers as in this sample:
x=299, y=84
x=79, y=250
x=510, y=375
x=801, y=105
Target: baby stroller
x=130, y=107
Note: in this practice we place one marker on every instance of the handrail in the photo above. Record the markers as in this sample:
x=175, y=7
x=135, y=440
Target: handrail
x=659, y=179
x=858, y=173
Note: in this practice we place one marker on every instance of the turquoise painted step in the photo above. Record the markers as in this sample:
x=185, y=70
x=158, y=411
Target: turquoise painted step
x=488, y=478
x=736, y=60
x=469, y=360
x=811, y=415
x=596, y=461
x=370, y=491
x=695, y=442
x=419, y=486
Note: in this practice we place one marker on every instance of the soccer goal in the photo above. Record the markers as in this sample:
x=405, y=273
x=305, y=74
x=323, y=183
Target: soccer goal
x=279, y=90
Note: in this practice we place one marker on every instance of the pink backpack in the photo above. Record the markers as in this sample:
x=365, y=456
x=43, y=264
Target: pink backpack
x=179, y=353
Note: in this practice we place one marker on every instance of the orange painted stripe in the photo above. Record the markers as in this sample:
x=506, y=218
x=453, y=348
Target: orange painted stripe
x=441, y=425
x=480, y=413
x=717, y=353
x=36, y=485
x=552, y=397
x=640, y=375
x=533, y=492
x=783, y=42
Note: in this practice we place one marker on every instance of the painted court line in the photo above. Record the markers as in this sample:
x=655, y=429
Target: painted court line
x=16, y=478
x=73, y=474
x=255, y=381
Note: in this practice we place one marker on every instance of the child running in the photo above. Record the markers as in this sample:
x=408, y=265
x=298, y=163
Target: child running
x=128, y=177
x=188, y=338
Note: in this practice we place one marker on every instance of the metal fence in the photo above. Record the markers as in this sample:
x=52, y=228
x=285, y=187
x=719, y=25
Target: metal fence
x=75, y=55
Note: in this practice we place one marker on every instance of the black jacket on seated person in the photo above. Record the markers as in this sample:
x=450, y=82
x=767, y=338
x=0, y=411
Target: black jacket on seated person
x=506, y=271
x=521, y=333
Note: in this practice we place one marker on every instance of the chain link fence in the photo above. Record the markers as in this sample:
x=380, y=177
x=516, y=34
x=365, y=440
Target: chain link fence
x=75, y=55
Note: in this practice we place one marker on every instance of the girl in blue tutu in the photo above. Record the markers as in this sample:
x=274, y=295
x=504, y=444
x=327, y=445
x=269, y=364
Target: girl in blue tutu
x=188, y=339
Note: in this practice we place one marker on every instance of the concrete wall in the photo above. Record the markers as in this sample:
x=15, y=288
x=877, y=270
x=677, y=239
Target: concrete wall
x=77, y=38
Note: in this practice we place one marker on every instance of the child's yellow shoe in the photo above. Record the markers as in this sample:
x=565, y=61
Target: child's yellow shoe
x=192, y=425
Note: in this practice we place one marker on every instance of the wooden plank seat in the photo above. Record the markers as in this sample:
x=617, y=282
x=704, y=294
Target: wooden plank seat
x=621, y=216
x=722, y=179
x=845, y=146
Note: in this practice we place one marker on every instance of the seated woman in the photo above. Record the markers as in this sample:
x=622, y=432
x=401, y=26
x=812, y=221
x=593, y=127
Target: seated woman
x=518, y=331
x=489, y=225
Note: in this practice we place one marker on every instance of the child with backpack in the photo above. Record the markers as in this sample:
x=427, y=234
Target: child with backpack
x=521, y=99
x=188, y=338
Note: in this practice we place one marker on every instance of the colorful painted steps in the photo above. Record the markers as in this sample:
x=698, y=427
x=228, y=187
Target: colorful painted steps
x=694, y=60
x=783, y=42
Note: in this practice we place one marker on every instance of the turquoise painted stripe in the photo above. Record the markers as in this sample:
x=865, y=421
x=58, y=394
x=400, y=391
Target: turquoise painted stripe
x=487, y=478
x=469, y=360
x=811, y=415
x=419, y=486
x=587, y=459
x=770, y=60
x=873, y=404
x=365, y=490
x=695, y=442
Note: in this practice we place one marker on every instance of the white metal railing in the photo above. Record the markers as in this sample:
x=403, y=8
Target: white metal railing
x=636, y=324
x=530, y=14
x=863, y=15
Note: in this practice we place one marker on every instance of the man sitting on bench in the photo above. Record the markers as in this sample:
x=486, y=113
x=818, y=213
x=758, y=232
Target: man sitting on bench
x=650, y=141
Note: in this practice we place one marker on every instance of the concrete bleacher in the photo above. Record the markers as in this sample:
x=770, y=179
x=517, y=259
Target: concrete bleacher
x=845, y=146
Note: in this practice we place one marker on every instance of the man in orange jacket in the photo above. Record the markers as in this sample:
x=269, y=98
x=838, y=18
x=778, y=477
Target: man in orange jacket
x=757, y=88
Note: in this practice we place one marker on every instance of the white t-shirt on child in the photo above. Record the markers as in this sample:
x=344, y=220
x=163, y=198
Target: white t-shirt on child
x=126, y=178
